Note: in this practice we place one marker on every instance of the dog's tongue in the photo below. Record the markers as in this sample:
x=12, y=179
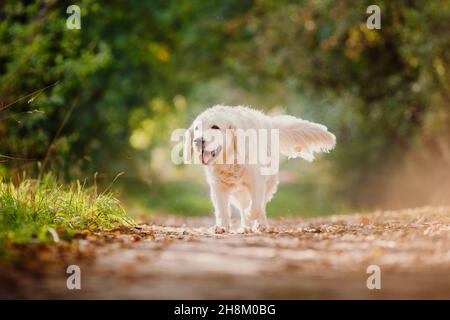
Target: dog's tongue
x=205, y=157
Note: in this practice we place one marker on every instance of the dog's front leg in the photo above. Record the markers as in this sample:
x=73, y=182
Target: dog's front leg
x=220, y=199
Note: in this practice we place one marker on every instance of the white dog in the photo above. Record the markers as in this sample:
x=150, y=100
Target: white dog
x=237, y=179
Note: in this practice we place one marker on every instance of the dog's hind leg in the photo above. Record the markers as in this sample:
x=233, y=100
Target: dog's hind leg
x=242, y=201
x=271, y=184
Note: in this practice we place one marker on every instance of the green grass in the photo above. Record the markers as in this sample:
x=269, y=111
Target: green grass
x=36, y=210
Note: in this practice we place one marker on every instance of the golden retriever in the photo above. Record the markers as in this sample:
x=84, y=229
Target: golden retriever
x=239, y=149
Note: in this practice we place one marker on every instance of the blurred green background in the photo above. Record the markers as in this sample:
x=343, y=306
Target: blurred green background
x=106, y=98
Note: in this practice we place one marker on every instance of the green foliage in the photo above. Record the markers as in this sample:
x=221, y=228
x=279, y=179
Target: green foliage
x=32, y=210
x=104, y=97
x=100, y=73
x=383, y=92
x=180, y=197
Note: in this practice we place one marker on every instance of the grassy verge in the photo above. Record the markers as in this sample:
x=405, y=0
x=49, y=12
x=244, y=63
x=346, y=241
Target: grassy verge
x=46, y=211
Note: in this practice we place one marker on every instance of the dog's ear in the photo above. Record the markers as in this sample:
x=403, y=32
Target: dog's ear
x=187, y=147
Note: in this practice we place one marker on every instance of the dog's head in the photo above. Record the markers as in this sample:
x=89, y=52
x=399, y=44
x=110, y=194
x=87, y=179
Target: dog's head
x=211, y=138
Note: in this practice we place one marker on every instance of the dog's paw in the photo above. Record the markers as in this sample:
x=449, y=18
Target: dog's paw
x=219, y=229
x=244, y=230
x=257, y=228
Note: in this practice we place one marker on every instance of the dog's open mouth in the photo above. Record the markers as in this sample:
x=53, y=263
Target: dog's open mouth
x=207, y=156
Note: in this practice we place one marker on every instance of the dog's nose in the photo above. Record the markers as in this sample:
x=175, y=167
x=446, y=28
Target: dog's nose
x=198, y=143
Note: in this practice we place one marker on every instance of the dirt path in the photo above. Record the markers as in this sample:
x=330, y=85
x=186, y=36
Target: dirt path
x=179, y=258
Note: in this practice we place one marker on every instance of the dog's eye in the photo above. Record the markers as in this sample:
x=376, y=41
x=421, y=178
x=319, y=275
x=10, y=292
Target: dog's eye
x=215, y=127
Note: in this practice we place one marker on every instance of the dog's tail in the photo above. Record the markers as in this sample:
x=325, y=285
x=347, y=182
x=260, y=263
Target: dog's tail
x=302, y=138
